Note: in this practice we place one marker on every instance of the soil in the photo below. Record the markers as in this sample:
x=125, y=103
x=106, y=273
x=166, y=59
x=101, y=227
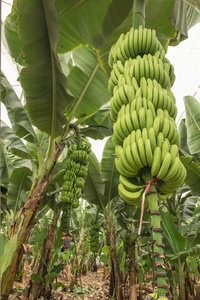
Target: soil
x=93, y=287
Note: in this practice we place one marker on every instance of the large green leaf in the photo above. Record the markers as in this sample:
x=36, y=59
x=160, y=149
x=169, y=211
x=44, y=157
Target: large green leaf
x=109, y=173
x=19, y=185
x=44, y=83
x=192, y=110
x=193, y=173
x=87, y=83
x=94, y=187
x=15, y=143
x=175, y=241
x=19, y=119
x=96, y=20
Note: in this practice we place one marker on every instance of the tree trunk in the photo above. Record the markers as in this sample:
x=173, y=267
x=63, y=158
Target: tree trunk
x=115, y=265
x=36, y=288
x=132, y=282
x=28, y=213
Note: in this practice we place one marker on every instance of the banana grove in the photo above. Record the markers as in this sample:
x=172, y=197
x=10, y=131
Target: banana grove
x=98, y=68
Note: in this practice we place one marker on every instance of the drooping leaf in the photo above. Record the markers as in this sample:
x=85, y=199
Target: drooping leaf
x=193, y=173
x=94, y=187
x=175, y=241
x=192, y=110
x=19, y=185
x=15, y=143
x=189, y=207
x=109, y=173
x=18, y=117
x=87, y=83
x=43, y=81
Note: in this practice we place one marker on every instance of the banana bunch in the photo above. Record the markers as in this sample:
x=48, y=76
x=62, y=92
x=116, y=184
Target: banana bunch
x=143, y=109
x=74, y=180
x=94, y=237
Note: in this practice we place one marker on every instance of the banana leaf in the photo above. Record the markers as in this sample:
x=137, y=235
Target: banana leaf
x=42, y=79
x=15, y=143
x=94, y=187
x=87, y=83
x=19, y=119
x=193, y=173
x=109, y=173
x=192, y=110
x=19, y=184
x=99, y=125
x=174, y=241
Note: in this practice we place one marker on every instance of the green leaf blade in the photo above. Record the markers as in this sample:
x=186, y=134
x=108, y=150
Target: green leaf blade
x=192, y=109
x=43, y=81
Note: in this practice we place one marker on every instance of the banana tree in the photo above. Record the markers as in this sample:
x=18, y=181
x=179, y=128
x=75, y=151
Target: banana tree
x=34, y=33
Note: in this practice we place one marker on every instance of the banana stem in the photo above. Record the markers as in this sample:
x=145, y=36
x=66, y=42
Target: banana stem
x=138, y=13
x=157, y=243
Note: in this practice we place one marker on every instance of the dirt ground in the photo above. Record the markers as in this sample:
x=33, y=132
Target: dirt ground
x=93, y=287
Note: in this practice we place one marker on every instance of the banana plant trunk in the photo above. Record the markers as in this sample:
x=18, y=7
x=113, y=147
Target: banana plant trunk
x=28, y=213
x=116, y=273
x=36, y=288
x=157, y=240
x=132, y=281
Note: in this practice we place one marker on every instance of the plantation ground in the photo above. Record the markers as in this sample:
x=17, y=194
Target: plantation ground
x=94, y=286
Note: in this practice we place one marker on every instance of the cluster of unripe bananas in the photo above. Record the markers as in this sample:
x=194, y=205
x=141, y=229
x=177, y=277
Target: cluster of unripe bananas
x=143, y=109
x=94, y=237
x=74, y=180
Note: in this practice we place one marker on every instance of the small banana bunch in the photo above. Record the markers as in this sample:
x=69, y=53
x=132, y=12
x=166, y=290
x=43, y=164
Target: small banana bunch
x=74, y=180
x=143, y=109
x=94, y=237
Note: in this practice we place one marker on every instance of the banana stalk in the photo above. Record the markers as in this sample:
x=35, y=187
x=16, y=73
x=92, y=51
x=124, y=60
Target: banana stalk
x=157, y=243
